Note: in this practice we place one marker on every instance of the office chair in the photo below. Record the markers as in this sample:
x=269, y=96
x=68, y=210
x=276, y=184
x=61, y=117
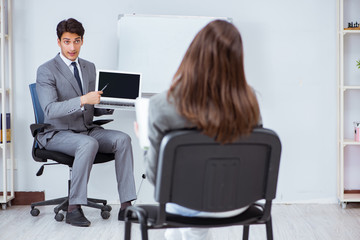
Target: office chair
x=196, y=172
x=42, y=155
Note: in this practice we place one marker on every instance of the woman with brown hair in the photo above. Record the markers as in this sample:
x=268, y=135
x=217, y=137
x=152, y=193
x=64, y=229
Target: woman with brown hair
x=209, y=92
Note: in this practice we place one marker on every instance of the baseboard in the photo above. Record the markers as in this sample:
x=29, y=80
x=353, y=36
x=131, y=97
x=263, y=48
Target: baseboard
x=357, y=191
x=26, y=198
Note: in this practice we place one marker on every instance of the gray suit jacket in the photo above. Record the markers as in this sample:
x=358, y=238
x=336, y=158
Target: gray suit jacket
x=59, y=96
x=163, y=117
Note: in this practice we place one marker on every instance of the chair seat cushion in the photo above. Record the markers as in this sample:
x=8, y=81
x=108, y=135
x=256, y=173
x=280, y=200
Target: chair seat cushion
x=68, y=160
x=251, y=215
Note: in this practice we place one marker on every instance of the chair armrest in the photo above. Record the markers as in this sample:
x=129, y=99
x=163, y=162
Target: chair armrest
x=36, y=128
x=102, y=121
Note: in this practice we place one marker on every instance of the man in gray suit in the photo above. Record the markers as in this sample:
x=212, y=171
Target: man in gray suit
x=65, y=87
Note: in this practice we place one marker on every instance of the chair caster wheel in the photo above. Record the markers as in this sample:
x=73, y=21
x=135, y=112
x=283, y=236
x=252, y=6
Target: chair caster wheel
x=106, y=208
x=34, y=212
x=59, y=217
x=105, y=214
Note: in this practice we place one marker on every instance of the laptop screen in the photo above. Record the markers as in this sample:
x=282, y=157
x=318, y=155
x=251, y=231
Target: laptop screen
x=119, y=84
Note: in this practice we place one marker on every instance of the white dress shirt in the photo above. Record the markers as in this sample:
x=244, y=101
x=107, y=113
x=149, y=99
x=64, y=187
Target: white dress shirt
x=68, y=63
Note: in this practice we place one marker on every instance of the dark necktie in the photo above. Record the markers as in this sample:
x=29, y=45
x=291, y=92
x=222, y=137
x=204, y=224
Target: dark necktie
x=77, y=76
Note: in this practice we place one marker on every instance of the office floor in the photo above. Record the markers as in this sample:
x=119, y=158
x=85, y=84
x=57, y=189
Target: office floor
x=290, y=222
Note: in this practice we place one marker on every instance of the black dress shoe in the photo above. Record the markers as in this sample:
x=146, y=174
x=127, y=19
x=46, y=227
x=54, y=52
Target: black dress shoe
x=121, y=216
x=77, y=218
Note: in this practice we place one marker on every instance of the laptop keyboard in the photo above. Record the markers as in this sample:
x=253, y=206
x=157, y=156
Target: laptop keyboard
x=118, y=104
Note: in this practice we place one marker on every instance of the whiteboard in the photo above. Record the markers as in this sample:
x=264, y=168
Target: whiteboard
x=154, y=45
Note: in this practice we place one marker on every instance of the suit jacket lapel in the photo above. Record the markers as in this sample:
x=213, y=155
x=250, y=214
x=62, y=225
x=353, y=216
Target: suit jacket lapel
x=85, y=77
x=66, y=72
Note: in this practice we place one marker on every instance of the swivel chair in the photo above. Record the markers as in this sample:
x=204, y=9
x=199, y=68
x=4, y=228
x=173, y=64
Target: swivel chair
x=43, y=155
x=196, y=172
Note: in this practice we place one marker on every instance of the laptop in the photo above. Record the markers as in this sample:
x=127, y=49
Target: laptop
x=120, y=89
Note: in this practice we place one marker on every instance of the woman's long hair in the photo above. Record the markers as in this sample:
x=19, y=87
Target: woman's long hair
x=209, y=88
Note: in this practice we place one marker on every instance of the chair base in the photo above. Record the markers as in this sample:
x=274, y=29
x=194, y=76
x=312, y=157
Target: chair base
x=63, y=203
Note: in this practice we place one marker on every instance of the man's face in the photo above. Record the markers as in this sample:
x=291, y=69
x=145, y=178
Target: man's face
x=70, y=45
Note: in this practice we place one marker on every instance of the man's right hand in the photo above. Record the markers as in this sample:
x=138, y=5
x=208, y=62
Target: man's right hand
x=91, y=98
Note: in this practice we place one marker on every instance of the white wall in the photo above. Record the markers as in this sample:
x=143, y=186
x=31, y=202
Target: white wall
x=290, y=57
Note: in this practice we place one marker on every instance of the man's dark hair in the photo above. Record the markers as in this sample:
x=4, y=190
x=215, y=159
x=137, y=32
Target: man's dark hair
x=70, y=25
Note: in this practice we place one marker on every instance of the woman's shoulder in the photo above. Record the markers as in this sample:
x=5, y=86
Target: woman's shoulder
x=158, y=97
x=161, y=106
x=160, y=101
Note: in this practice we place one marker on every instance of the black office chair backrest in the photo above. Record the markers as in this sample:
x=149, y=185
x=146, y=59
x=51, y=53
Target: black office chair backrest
x=196, y=172
x=38, y=112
